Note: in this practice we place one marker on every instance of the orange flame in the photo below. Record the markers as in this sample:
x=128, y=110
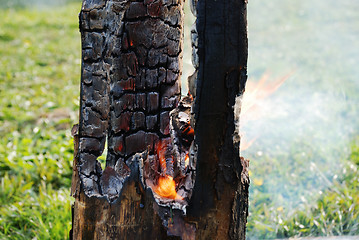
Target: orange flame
x=245, y=144
x=251, y=108
x=166, y=186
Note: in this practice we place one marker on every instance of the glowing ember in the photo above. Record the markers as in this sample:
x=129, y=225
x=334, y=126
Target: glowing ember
x=186, y=160
x=190, y=95
x=251, y=108
x=188, y=131
x=166, y=186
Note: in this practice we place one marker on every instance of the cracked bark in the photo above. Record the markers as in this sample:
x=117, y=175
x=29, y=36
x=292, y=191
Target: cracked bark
x=219, y=203
x=131, y=64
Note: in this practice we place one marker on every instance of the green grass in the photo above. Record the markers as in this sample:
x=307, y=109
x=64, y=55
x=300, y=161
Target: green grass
x=18, y=4
x=39, y=78
x=304, y=178
x=331, y=212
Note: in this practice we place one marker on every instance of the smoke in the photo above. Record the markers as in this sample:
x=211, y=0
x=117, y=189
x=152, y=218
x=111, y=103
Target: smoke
x=301, y=141
x=310, y=121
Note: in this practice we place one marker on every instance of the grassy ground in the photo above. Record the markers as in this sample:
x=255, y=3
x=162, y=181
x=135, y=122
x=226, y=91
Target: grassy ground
x=331, y=212
x=39, y=79
x=304, y=176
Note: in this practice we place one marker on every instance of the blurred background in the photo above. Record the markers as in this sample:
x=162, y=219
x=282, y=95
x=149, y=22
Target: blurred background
x=305, y=151
x=304, y=162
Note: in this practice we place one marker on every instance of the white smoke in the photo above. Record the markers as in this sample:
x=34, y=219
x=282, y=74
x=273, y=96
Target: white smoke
x=312, y=118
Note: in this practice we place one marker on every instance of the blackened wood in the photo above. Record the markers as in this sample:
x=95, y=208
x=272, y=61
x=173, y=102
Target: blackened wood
x=130, y=71
x=219, y=203
x=131, y=58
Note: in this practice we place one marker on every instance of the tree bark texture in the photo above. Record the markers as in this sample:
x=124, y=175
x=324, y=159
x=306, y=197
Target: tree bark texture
x=220, y=195
x=131, y=65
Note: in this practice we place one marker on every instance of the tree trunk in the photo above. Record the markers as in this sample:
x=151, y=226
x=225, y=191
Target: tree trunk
x=130, y=95
x=220, y=196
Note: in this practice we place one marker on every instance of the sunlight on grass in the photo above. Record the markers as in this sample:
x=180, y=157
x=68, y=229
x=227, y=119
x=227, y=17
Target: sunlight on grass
x=39, y=77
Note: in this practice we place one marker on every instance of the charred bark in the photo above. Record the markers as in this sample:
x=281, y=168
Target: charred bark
x=220, y=196
x=130, y=96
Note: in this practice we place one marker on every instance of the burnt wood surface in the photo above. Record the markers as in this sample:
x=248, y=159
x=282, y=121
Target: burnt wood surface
x=131, y=57
x=131, y=65
x=220, y=197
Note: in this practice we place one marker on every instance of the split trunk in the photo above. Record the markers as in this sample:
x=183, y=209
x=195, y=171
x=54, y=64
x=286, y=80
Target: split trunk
x=173, y=169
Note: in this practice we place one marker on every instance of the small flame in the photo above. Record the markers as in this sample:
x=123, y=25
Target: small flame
x=166, y=186
x=245, y=143
x=251, y=108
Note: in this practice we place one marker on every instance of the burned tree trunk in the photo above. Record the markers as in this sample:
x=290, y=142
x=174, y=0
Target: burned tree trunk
x=163, y=179
x=219, y=203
